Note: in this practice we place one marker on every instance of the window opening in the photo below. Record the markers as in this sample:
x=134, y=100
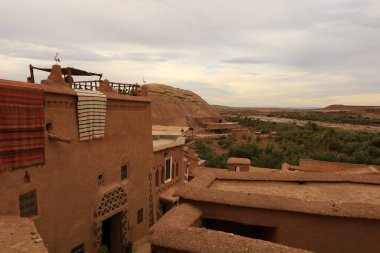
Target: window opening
x=168, y=170
x=124, y=171
x=140, y=216
x=28, y=204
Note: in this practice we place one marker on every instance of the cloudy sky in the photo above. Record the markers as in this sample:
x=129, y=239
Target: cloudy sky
x=291, y=53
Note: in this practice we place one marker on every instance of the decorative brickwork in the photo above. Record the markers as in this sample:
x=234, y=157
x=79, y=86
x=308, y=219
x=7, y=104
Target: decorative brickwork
x=124, y=229
x=111, y=201
x=98, y=231
x=151, y=221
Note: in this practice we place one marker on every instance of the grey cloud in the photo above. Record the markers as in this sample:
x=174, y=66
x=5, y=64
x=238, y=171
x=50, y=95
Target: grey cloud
x=149, y=57
x=17, y=49
x=320, y=39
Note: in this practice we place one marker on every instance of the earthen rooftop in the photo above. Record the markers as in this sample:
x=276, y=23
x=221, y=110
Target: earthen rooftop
x=175, y=231
x=345, y=195
x=237, y=160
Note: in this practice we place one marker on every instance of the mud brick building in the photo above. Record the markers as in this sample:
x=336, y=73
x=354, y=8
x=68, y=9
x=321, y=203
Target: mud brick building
x=86, y=193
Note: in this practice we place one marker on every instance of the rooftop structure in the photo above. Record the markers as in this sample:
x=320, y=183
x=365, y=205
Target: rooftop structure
x=180, y=231
x=94, y=162
x=165, y=137
x=221, y=126
x=320, y=212
x=323, y=166
x=69, y=72
x=238, y=164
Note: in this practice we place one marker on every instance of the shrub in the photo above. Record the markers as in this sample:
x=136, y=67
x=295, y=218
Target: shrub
x=246, y=150
x=226, y=142
x=376, y=142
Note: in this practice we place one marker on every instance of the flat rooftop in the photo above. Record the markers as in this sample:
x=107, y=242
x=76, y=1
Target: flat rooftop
x=167, y=136
x=163, y=143
x=175, y=230
x=169, y=130
x=331, y=194
x=313, y=191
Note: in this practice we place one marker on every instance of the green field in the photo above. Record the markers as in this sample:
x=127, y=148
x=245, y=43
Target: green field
x=294, y=143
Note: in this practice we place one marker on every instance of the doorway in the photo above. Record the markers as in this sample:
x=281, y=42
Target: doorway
x=111, y=233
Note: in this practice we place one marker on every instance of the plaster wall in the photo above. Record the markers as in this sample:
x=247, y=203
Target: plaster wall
x=323, y=166
x=238, y=167
x=321, y=234
x=158, y=173
x=67, y=187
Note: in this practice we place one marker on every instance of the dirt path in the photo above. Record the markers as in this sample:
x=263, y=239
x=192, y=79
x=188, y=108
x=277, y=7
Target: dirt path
x=364, y=128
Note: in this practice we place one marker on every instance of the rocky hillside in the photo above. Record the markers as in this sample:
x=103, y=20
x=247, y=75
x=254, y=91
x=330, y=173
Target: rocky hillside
x=172, y=106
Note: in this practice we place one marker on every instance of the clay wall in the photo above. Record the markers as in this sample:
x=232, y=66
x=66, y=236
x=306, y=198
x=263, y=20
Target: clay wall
x=158, y=175
x=238, y=167
x=221, y=126
x=320, y=234
x=67, y=185
x=240, y=133
x=322, y=166
x=190, y=155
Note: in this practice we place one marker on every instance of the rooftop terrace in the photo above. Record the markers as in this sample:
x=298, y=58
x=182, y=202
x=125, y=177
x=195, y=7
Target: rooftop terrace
x=345, y=195
x=69, y=72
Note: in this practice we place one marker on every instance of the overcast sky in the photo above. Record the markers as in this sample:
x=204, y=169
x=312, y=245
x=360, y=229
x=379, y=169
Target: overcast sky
x=291, y=53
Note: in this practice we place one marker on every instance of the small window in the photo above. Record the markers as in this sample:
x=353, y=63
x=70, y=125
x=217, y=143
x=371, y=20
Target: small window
x=168, y=170
x=140, y=216
x=78, y=249
x=124, y=171
x=101, y=179
x=28, y=204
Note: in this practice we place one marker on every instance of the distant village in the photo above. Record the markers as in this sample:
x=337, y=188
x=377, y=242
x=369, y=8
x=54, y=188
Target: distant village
x=98, y=166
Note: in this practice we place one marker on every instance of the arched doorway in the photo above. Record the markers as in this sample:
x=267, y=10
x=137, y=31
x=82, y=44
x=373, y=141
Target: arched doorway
x=111, y=218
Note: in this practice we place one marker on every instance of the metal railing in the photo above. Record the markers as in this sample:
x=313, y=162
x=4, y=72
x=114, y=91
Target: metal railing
x=121, y=88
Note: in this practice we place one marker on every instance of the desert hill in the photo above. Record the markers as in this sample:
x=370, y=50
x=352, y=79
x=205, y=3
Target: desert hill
x=172, y=106
x=350, y=107
x=364, y=111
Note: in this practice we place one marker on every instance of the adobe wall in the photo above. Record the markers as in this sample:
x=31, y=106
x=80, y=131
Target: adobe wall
x=320, y=234
x=237, y=167
x=190, y=155
x=221, y=126
x=323, y=166
x=240, y=133
x=66, y=186
x=158, y=182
